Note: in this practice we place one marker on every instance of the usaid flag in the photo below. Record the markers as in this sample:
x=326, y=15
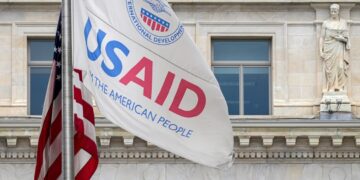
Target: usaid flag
x=148, y=77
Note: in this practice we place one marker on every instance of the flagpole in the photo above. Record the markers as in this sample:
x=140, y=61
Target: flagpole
x=67, y=97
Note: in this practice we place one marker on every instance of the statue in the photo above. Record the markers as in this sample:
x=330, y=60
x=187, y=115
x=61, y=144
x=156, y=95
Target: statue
x=334, y=50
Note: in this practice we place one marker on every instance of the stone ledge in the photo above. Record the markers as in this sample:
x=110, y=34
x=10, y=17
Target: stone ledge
x=278, y=151
x=237, y=122
x=13, y=128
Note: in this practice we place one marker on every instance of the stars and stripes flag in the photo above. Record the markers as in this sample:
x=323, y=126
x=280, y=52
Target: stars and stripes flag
x=48, y=162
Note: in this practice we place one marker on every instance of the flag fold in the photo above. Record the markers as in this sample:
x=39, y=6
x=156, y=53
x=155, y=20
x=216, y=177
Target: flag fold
x=148, y=77
x=48, y=160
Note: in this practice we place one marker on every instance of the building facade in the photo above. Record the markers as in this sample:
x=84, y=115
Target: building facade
x=266, y=56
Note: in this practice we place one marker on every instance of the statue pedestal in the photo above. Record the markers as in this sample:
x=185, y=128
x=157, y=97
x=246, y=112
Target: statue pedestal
x=335, y=106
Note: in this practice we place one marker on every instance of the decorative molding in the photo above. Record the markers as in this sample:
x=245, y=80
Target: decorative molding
x=252, y=143
x=11, y=141
x=337, y=140
x=268, y=140
x=357, y=141
x=128, y=140
x=238, y=155
x=290, y=140
x=104, y=141
x=314, y=140
x=244, y=140
x=142, y=153
x=34, y=141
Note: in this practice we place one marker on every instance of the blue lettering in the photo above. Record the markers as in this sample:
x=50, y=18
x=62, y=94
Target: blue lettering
x=166, y=123
x=188, y=134
x=137, y=110
x=161, y=119
x=173, y=127
x=110, y=51
x=100, y=37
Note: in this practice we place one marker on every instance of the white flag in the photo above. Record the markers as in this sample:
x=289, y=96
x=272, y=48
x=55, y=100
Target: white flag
x=148, y=77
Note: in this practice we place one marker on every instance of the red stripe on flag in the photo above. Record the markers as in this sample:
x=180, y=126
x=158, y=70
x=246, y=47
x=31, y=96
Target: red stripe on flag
x=87, y=171
x=88, y=145
x=51, y=123
x=45, y=130
x=55, y=169
x=87, y=108
x=82, y=141
x=55, y=128
x=52, y=126
x=79, y=72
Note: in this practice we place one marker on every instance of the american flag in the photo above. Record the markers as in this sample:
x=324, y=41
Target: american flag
x=154, y=22
x=48, y=162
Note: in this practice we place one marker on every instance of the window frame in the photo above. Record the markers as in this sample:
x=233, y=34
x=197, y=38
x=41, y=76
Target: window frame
x=241, y=64
x=36, y=64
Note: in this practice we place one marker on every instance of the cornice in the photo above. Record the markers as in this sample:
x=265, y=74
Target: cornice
x=141, y=152
x=256, y=138
x=237, y=122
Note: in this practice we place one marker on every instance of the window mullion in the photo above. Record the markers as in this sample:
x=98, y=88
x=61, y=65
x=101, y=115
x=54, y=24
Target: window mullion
x=40, y=53
x=39, y=63
x=238, y=63
x=245, y=55
x=270, y=90
x=241, y=89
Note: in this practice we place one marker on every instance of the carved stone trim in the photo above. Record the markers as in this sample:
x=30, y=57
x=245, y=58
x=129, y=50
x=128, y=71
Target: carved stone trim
x=314, y=140
x=143, y=155
x=267, y=140
x=19, y=138
x=244, y=140
x=128, y=140
x=11, y=141
x=290, y=140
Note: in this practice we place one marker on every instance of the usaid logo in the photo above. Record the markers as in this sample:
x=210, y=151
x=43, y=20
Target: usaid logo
x=154, y=21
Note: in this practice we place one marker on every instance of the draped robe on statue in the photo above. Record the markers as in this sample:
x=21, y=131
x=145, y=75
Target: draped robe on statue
x=335, y=54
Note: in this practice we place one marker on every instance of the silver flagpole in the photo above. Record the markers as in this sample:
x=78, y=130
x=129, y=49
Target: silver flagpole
x=67, y=96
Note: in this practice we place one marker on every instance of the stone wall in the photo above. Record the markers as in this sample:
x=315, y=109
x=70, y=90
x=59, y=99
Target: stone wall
x=297, y=71
x=18, y=22
x=297, y=75
x=191, y=171
x=271, y=153
x=290, y=144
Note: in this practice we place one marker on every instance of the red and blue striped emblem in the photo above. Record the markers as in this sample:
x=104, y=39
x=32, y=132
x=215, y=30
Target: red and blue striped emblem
x=154, y=22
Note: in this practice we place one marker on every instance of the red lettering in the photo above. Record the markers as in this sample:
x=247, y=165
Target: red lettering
x=147, y=65
x=201, y=100
x=164, y=92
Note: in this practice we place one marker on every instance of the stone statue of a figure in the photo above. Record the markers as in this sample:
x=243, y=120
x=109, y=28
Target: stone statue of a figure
x=334, y=50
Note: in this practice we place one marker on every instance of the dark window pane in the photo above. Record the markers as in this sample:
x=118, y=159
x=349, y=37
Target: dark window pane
x=39, y=78
x=228, y=79
x=41, y=50
x=256, y=91
x=241, y=50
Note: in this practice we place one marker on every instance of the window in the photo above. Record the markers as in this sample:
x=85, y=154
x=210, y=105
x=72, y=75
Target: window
x=40, y=53
x=242, y=67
